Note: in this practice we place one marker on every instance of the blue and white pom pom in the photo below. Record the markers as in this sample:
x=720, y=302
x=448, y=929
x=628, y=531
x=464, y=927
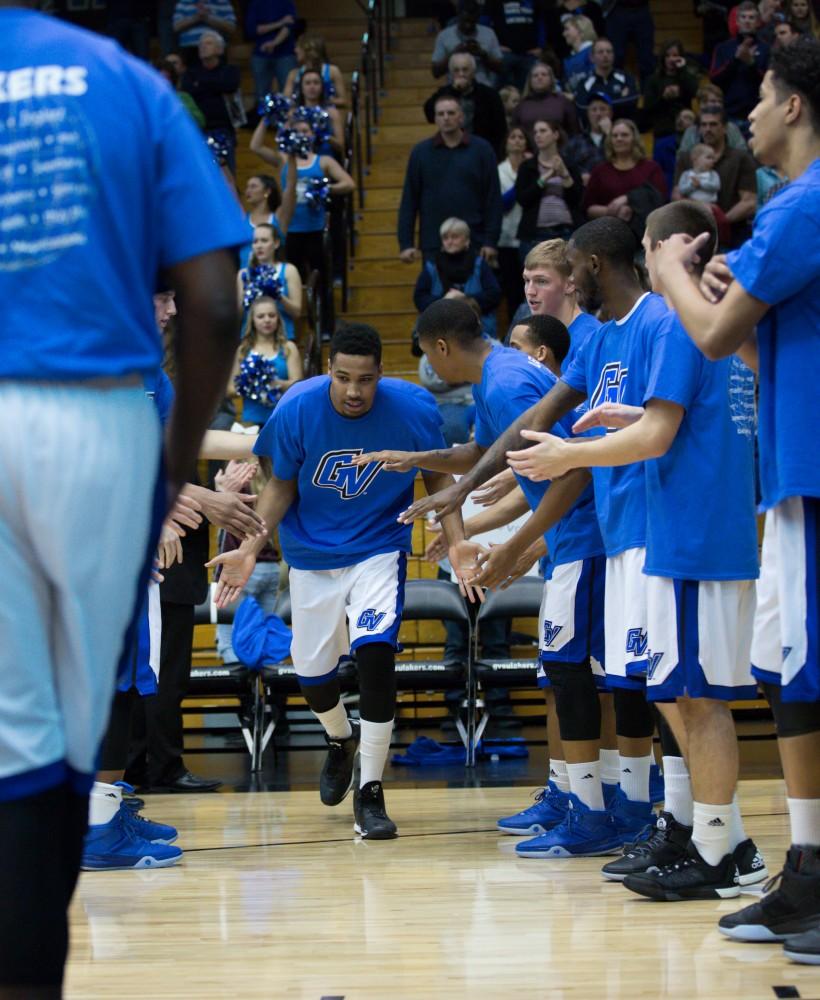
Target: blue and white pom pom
x=319, y=121
x=219, y=144
x=317, y=193
x=261, y=281
x=254, y=381
x=290, y=141
x=275, y=109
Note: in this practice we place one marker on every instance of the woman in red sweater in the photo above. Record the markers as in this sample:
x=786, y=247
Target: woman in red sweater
x=627, y=167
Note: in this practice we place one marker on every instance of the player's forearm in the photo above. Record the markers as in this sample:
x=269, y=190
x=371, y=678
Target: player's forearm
x=274, y=502
x=631, y=444
x=205, y=346
x=555, y=503
x=510, y=507
x=452, y=525
x=226, y=445
x=556, y=404
x=456, y=460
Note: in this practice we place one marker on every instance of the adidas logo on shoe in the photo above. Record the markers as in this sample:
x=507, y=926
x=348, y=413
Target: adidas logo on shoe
x=757, y=861
x=717, y=821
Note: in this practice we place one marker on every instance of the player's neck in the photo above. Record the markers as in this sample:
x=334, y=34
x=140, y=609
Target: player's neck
x=799, y=154
x=620, y=291
x=474, y=362
x=570, y=310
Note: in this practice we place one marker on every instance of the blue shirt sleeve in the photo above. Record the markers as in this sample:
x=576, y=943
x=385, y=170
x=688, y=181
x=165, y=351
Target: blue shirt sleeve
x=675, y=366
x=767, y=264
x=575, y=376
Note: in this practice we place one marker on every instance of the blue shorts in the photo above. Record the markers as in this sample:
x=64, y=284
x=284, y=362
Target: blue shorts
x=700, y=635
x=572, y=618
x=785, y=647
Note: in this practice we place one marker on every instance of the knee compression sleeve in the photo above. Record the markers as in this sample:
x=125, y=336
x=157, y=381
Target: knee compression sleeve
x=669, y=745
x=633, y=715
x=792, y=718
x=377, y=681
x=322, y=697
x=576, y=701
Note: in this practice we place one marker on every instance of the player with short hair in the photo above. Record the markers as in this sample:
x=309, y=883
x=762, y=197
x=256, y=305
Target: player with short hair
x=766, y=296
x=701, y=561
x=115, y=192
x=544, y=338
x=347, y=553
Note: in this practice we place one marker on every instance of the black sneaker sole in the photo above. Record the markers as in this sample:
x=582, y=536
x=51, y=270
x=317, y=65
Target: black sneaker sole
x=385, y=834
x=760, y=933
x=652, y=890
x=804, y=957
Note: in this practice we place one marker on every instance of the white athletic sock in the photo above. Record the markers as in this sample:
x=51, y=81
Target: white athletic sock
x=373, y=750
x=678, y=790
x=103, y=803
x=558, y=774
x=585, y=782
x=804, y=815
x=737, y=833
x=710, y=830
x=610, y=766
x=634, y=777
x=335, y=722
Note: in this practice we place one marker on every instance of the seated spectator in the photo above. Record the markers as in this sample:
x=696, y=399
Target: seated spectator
x=710, y=95
x=631, y=20
x=467, y=35
x=613, y=185
x=169, y=69
x=454, y=401
x=670, y=89
x=579, y=34
x=701, y=182
x=451, y=173
x=311, y=53
x=548, y=192
x=590, y=9
x=510, y=98
x=618, y=85
x=284, y=285
x=311, y=92
x=736, y=168
x=801, y=14
x=583, y=151
x=192, y=18
x=459, y=271
x=266, y=364
x=665, y=150
x=516, y=28
x=509, y=263
x=211, y=83
x=541, y=103
x=481, y=106
x=739, y=63
x=785, y=32
x=271, y=25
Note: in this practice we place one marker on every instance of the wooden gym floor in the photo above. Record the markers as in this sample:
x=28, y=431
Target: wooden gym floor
x=277, y=899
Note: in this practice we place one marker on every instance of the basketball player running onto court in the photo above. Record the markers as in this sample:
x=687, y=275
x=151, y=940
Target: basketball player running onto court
x=339, y=533
x=138, y=195
x=772, y=283
x=701, y=561
x=506, y=383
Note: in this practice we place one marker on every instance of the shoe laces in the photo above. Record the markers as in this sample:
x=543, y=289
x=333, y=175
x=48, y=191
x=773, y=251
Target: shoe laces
x=773, y=884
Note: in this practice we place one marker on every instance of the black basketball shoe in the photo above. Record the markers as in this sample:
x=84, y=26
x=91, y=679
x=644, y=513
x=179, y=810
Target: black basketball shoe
x=663, y=844
x=688, y=878
x=336, y=778
x=804, y=948
x=790, y=907
x=371, y=819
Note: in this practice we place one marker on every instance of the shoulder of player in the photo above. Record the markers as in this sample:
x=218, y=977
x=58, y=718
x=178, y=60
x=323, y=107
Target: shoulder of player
x=397, y=390
x=508, y=367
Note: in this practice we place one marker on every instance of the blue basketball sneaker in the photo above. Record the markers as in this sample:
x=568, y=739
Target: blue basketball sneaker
x=631, y=818
x=115, y=845
x=583, y=833
x=147, y=829
x=548, y=810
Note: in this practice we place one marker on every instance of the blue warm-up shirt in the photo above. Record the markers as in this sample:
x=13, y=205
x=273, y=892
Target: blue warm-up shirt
x=780, y=265
x=609, y=367
x=344, y=514
x=700, y=495
x=104, y=181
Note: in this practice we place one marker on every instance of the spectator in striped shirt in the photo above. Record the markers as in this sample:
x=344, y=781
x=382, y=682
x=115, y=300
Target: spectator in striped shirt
x=194, y=17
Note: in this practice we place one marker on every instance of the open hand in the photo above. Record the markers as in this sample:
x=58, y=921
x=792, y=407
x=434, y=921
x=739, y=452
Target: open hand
x=444, y=502
x=464, y=558
x=716, y=278
x=234, y=569
x=234, y=476
x=496, y=566
x=234, y=512
x=391, y=461
x=608, y=415
x=186, y=513
x=169, y=547
x=549, y=458
x=495, y=489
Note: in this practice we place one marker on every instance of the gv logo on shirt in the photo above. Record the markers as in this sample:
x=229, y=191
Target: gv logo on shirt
x=336, y=471
x=551, y=633
x=611, y=385
x=371, y=619
x=636, y=641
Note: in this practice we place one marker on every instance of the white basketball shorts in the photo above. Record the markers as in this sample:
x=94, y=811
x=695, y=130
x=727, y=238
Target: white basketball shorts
x=625, y=622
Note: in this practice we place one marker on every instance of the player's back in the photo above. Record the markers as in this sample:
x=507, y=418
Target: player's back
x=103, y=179
x=345, y=513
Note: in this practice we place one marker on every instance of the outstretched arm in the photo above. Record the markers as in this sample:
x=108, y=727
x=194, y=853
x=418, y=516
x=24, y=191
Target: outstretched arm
x=558, y=402
x=458, y=459
x=463, y=555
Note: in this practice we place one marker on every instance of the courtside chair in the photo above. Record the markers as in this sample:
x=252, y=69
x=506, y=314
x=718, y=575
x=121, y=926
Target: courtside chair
x=522, y=599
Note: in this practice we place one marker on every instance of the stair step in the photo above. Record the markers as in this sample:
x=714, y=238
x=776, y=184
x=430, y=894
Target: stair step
x=385, y=197
x=382, y=298
x=378, y=247
x=391, y=153
x=398, y=93
x=382, y=272
x=421, y=77
x=395, y=327
x=402, y=114
x=388, y=174
x=377, y=220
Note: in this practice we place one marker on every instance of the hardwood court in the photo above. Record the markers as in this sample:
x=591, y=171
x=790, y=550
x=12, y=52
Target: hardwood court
x=277, y=899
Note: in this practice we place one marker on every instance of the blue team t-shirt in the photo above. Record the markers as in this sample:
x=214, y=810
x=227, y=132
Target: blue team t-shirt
x=512, y=382
x=579, y=329
x=609, y=368
x=344, y=514
x=700, y=495
x=780, y=265
x=105, y=181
